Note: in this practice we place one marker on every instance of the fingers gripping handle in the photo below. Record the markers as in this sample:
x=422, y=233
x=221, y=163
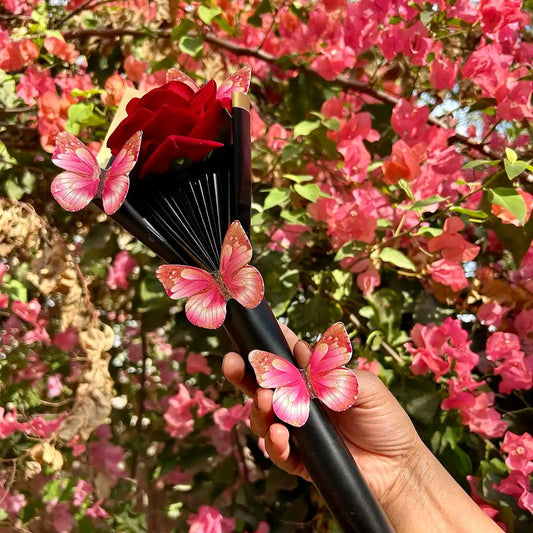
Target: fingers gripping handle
x=322, y=450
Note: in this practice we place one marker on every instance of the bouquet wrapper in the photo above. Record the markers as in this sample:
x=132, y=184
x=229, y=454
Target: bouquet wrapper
x=169, y=214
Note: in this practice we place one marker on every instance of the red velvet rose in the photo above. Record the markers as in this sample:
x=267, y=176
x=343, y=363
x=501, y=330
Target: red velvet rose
x=176, y=123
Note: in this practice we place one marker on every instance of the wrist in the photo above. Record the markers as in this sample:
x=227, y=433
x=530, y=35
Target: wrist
x=425, y=497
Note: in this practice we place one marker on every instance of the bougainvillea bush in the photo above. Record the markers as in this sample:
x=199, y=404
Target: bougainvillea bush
x=392, y=191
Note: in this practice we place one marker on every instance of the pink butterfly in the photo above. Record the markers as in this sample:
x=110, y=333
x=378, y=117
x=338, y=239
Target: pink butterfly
x=84, y=180
x=239, y=81
x=208, y=293
x=324, y=378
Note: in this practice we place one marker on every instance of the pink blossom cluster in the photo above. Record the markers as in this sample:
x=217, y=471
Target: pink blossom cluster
x=519, y=450
x=180, y=416
x=119, y=270
x=444, y=350
x=455, y=249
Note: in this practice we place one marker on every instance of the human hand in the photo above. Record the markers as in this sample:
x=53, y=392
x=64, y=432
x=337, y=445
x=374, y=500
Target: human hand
x=377, y=431
x=412, y=486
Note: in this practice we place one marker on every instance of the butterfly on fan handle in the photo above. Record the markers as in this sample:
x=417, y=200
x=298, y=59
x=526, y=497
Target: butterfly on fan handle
x=84, y=180
x=325, y=377
x=208, y=292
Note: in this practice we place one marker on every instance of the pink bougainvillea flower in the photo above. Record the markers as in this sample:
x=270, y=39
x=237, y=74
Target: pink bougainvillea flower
x=197, y=363
x=82, y=490
x=33, y=83
x=66, y=340
x=409, y=121
x=9, y=422
x=105, y=456
x=54, y=386
x=370, y=366
x=404, y=163
x=436, y=347
x=38, y=426
x=276, y=137
x=517, y=484
x=477, y=412
x=520, y=451
x=288, y=236
x=96, y=511
x=257, y=125
x=209, y=520
x=134, y=68
x=443, y=72
x=118, y=272
x=27, y=311
x=114, y=87
x=491, y=313
x=204, y=404
x=226, y=419
x=368, y=279
x=178, y=416
x=495, y=14
x=448, y=273
x=60, y=515
x=58, y=47
x=37, y=334
x=452, y=245
x=515, y=368
x=334, y=59
x=14, y=55
x=488, y=67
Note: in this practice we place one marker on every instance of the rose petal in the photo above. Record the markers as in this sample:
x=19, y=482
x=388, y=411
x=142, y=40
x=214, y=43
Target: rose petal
x=174, y=147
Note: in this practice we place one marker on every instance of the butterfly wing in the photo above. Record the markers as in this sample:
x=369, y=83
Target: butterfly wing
x=175, y=74
x=335, y=385
x=238, y=82
x=116, y=180
x=244, y=282
x=206, y=306
x=76, y=187
x=291, y=397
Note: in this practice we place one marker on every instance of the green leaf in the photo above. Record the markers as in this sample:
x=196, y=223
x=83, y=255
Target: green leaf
x=79, y=93
x=78, y=114
x=6, y=160
x=424, y=203
x=421, y=399
x=13, y=190
x=295, y=217
x=298, y=178
x=397, y=258
x=207, y=14
x=472, y=214
x=15, y=290
x=276, y=197
x=182, y=29
x=514, y=169
x=429, y=231
x=305, y=127
x=310, y=191
x=479, y=162
x=509, y=199
x=349, y=249
x=192, y=46
x=511, y=155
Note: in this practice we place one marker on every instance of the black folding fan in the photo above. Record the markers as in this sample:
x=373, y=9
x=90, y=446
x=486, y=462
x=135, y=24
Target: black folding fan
x=182, y=216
